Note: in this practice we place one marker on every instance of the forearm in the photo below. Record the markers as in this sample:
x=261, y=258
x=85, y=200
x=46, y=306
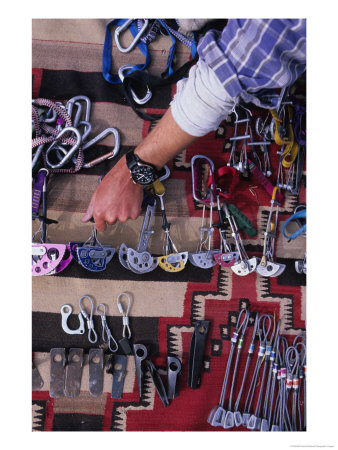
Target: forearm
x=199, y=106
x=164, y=141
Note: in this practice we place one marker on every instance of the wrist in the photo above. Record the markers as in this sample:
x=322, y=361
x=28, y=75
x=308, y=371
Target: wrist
x=142, y=172
x=150, y=156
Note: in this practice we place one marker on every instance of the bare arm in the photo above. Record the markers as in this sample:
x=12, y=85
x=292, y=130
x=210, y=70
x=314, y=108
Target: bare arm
x=117, y=197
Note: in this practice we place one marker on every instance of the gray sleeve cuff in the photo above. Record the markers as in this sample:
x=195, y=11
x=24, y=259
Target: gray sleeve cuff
x=201, y=102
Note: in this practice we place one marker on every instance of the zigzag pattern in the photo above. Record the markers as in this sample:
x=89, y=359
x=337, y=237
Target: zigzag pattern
x=180, y=162
x=120, y=411
x=174, y=338
x=38, y=415
x=286, y=305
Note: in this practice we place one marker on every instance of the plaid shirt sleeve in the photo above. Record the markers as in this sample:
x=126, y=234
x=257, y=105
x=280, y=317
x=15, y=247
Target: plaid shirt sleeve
x=251, y=56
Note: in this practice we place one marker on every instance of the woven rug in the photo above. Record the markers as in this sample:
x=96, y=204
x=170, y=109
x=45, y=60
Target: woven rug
x=67, y=61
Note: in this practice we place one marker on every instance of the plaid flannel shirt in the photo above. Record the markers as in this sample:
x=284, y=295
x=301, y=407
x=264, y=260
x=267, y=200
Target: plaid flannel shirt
x=251, y=57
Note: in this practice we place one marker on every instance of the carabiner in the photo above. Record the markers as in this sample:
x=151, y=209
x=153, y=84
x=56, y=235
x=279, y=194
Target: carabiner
x=123, y=27
x=139, y=101
x=70, y=153
x=70, y=104
x=203, y=192
x=101, y=136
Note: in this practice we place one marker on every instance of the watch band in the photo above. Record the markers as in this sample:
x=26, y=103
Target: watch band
x=133, y=159
x=135, y=164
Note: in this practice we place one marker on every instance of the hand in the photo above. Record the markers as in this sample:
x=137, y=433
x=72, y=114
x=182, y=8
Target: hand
x=115, y=198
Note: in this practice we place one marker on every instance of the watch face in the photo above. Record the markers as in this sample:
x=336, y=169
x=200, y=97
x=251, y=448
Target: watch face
x=143, y=175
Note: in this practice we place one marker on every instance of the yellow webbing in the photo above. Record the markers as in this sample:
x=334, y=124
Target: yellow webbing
x=291, y=146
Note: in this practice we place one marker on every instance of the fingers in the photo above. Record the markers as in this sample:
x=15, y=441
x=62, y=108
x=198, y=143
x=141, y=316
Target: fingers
x=108, y=206
x=100, y=224
x=89, y=213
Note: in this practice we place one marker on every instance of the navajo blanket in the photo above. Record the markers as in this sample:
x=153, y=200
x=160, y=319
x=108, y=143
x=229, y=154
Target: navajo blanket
x=67, y=61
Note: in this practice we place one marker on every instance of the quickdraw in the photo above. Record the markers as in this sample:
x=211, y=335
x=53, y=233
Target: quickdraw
x=267, y=267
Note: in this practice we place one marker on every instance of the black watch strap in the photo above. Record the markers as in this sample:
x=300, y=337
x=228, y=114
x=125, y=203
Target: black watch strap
x=133, y=159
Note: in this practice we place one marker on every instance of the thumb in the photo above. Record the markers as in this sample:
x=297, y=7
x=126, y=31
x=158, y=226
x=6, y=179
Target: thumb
x=89, y=213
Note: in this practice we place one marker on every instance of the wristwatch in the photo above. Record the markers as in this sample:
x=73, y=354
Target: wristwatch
x=142, y=172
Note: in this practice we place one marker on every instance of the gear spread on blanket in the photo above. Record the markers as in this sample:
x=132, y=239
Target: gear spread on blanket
x=166, y=305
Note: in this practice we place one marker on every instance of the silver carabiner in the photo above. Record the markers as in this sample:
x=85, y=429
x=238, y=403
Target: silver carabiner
x=70, y=153
x=101, y=136
x=108, y=155
x=139, y=101
x=123, y=27
x=77, y=98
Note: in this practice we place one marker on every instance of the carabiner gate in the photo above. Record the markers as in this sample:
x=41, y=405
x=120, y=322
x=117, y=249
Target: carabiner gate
x=123, y=27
